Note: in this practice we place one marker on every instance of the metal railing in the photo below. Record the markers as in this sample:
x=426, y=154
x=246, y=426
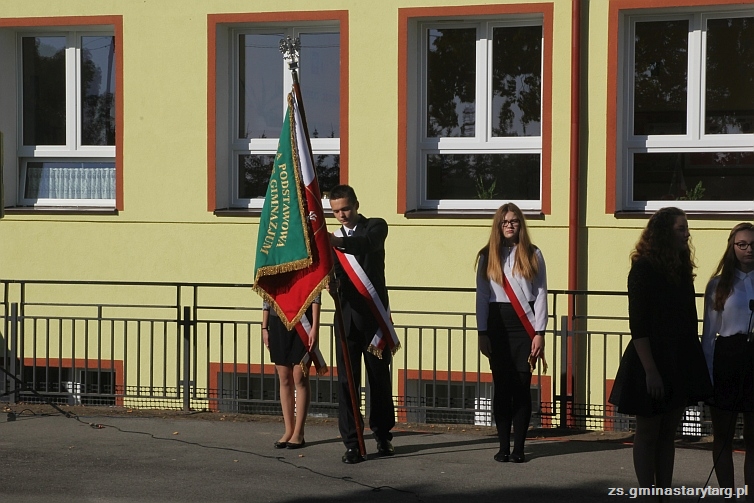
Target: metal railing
x=199, y=346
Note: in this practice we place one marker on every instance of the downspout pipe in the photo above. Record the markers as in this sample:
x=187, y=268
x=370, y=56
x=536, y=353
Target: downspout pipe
x=574, y=199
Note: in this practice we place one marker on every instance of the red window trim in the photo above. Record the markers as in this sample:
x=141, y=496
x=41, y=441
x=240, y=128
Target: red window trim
x=459, y=377
x=409, y=15
x=83, y=364
x=117, y=23
x=213, y=20
x=613, y=62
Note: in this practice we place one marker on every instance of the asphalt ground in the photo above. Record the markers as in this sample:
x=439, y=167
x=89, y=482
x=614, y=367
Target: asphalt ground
x=101, y=454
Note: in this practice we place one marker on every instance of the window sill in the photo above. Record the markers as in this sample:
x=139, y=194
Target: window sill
x=462, y=214
x=238, y=212
x=60, y=210
x=696, y=214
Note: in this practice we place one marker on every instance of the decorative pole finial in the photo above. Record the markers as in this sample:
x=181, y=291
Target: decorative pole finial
x=291, y=47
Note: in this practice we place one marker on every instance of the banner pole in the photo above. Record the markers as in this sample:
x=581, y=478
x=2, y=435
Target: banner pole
x=290, y=49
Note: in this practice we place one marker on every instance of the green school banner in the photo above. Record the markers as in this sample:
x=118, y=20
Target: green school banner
x=282, y=243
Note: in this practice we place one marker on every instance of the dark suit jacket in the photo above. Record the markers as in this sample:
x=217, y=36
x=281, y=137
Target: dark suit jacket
x=368, y=246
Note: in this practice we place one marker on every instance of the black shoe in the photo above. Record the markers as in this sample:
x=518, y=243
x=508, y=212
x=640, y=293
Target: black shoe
x=518, y=458
x=502, y=457
x=291, y=445
x=385, y=448
x=352, y=456
x=280, y=445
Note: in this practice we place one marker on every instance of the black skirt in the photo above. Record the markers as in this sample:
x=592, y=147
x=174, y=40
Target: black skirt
x=286, y=347
x=733, y=374
x=684, y=376
x=511, y=345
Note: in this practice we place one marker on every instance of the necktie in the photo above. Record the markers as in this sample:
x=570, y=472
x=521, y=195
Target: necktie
x=350, y=232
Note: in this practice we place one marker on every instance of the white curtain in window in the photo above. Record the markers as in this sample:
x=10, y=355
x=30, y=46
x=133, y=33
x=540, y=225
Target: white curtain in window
x=70, y=182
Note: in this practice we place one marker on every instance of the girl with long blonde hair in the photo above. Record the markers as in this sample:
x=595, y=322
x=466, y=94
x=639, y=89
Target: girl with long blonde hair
x=511, y=313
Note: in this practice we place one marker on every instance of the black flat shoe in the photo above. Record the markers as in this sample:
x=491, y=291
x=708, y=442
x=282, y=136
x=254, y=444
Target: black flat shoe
x=291, y=445
x=502, y=457
x=280, y=445
x=385, y=448
x=518, y=458
x=352, y=456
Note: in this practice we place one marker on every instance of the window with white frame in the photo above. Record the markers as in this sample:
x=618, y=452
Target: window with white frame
x=479, y=113
x=261, y=82
x=66, y=123
x=687, y=127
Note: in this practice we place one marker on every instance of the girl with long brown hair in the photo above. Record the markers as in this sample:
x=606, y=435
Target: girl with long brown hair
x=511, y=313
x=662, y=370
x=729, y=350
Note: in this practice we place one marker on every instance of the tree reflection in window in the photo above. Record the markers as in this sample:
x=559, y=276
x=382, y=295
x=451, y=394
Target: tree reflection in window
x=254, y=173
x=660, y=77
x=483, y=176
x=730, y=76
x=98, y=90
x=517, y=81
x=451, y=81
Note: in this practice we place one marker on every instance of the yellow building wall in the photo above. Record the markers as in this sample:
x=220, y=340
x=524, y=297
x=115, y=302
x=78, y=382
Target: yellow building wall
x=165, y=232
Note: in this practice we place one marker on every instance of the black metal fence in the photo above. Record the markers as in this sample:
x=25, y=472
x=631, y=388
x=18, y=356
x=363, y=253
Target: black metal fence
x=199, y=346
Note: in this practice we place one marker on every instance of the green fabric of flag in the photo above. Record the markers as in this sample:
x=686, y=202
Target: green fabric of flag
x=282, y=243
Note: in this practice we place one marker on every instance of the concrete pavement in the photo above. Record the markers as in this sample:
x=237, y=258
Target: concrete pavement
x=108, y=455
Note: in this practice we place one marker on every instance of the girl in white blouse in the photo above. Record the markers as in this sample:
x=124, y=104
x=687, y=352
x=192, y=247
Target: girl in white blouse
x=729, y=351
x=510, y=334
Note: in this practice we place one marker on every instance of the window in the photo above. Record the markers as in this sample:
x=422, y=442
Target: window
x=454, y=403
x=74, y=386
x=261, y=83
x=66, y=145
x=478, y=93
x=687, y=126
x=61, y=99
x=258, y=394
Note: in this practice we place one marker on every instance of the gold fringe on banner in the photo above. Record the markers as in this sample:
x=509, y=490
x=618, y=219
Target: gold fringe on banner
x=289, y=324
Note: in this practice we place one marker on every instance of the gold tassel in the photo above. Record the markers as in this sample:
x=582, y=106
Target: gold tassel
x=533, y=364
x=375, y=351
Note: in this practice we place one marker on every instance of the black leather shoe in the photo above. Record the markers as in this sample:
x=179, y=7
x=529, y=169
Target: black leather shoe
x=352, y=456
x=280, y=445
x=385, y=448
x=502, y=457
x=292, y=445
x=518, y=458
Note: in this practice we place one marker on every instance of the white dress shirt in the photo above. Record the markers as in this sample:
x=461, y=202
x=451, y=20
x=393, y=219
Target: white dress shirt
x=490, y=291
x=735, y=318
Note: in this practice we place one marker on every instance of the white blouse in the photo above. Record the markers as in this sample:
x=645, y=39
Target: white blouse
x=735, y=318
x=488, y=290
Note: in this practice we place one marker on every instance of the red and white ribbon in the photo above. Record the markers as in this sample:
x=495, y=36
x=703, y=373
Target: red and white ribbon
x=315, y=355
x=520, y=303
x=517, y=296
x=385, y=335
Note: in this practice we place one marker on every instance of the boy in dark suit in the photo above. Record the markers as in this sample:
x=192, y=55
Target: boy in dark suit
x=362, y=241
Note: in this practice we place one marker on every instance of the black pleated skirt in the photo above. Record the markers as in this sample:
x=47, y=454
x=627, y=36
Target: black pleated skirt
x=511, y=345
x=286, y=347
x=733, y=374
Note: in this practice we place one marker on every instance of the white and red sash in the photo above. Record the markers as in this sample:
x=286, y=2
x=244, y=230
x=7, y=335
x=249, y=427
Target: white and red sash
x=520, y=303
x=302, y=329
x=385, y=335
